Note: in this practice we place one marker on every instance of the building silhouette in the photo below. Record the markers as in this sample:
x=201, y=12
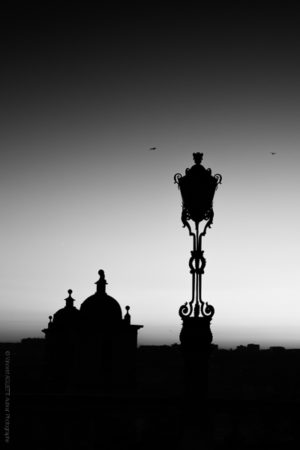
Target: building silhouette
x=91, y=349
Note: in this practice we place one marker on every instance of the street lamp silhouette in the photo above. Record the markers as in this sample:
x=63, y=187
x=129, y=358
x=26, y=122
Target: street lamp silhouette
x=197, y=189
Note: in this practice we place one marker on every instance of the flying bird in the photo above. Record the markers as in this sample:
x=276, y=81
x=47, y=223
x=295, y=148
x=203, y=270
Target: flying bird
x=273, y=153
x=152, y=148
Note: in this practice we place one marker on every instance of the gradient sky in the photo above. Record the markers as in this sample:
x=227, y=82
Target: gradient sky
x=84, y=94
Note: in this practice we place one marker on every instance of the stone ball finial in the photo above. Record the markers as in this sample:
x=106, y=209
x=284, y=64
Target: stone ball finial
x=127, y=308
x=70, y=292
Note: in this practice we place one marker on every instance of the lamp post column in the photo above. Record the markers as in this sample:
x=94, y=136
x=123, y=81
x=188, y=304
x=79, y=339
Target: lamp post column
x=197, y=189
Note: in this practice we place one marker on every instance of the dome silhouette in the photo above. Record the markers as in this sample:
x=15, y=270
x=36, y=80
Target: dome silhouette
x=67, y=316
x=100, y=307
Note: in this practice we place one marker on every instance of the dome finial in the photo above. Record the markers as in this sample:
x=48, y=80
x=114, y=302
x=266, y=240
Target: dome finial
x=69, y=300
x=127, y=317
x=101, y=283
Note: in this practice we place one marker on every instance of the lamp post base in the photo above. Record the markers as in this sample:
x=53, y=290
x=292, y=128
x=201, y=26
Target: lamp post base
x=196, y=338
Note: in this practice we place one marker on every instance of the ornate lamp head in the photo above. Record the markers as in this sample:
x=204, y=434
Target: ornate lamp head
x=197, y=189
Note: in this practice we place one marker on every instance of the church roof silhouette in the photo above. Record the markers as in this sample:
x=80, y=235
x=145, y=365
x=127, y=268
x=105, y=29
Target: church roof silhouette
x=90, y=349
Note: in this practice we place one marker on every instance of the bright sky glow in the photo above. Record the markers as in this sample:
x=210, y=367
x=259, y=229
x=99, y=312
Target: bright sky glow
x=81, y=192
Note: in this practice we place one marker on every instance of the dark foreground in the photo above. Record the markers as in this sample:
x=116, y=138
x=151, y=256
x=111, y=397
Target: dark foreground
x=253, y=402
